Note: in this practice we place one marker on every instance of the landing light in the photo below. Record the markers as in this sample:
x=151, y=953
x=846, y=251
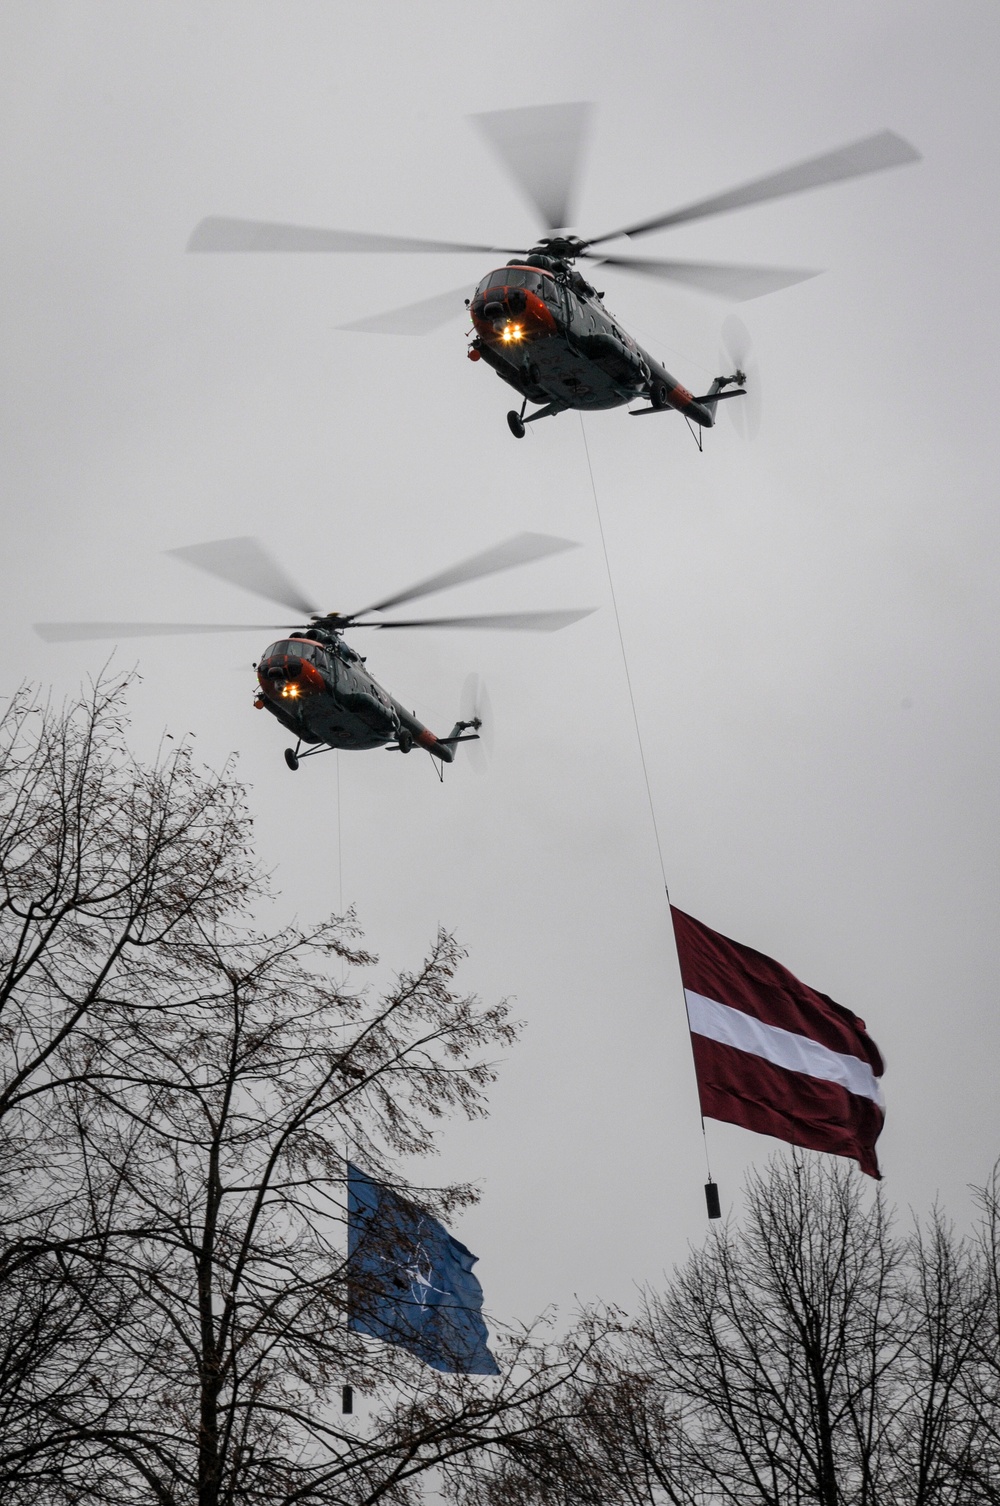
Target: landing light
x=512, y=332
x=290, y=690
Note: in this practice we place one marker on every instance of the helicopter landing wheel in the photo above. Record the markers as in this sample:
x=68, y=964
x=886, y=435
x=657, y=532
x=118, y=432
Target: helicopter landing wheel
x=515, y=424
x=404, y=741
x=292, y=759
x=658, y=395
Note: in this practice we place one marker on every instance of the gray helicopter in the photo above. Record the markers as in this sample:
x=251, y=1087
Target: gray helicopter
x=541, y=326
x=311, y=679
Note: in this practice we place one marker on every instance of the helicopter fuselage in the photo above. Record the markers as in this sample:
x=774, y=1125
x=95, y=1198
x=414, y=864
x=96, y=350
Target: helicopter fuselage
x=317, y=686
x=546, y=332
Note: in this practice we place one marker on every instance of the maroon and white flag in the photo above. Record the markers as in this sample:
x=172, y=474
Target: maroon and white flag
x=772, y=1054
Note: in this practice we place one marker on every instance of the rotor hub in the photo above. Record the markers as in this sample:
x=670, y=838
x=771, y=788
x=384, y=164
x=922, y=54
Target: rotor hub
x=565, y=247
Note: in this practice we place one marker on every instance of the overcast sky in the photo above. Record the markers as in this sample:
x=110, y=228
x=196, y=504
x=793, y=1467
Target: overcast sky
x=810, y=620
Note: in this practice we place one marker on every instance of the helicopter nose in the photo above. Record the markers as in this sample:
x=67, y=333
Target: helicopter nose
x=286, y=677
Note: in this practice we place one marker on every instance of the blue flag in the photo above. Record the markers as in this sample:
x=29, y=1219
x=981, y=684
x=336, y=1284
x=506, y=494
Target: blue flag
x=411, y=1283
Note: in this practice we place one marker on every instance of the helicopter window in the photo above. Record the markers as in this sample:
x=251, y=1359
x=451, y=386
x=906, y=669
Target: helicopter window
x=517, y=277
x=528, y=278
x=294, y=649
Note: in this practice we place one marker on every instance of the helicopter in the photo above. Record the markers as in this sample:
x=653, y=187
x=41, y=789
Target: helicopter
x=537, y=321
x=312, y=680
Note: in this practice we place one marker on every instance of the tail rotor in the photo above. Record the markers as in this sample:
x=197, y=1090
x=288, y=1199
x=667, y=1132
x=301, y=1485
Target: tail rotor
x=745, y=412
x=475, y=706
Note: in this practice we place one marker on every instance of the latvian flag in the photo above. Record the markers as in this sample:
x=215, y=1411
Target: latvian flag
x=772, y=1054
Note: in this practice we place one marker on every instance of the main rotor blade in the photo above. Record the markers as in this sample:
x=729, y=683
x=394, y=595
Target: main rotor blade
x=541, y=147
x=221, y=233
x=735, y=282
x=520, y=550
x=524, y=622
x=245, y=562
x=415, y=318
x=73, y=632
x=872, y=154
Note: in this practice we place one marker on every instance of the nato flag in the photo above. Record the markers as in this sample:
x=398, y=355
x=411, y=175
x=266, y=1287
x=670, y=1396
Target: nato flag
x=410, y=1283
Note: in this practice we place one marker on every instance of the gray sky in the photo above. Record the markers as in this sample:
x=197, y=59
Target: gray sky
x=810, y=620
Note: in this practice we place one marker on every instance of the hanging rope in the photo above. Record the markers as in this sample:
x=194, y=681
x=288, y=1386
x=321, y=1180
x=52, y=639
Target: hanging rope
x=642, y=753
x=340, y=866
x=340, y=846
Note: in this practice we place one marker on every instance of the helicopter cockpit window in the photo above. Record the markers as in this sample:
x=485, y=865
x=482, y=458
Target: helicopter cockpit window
x=525, y=277
x=295, y=649
x=515, y=277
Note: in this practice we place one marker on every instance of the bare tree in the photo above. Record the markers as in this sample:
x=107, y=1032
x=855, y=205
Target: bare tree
x=935, y=1438
x=978, y=1466
x=177, y=1095
x=612, y=1437
x=810, y=1355
x=224, y=1125
x=103, y=860
x=780, y=1342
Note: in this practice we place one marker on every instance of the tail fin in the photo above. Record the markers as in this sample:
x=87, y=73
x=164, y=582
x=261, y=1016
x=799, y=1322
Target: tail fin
x=463, y=732
x=715, y=393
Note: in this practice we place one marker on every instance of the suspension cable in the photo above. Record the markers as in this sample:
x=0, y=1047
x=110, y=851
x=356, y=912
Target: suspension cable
x=642, y=757
x=340, y=845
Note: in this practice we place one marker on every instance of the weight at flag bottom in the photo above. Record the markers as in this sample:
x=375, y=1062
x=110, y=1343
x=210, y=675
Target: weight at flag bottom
x=774, y=1055
x=410, y=1282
